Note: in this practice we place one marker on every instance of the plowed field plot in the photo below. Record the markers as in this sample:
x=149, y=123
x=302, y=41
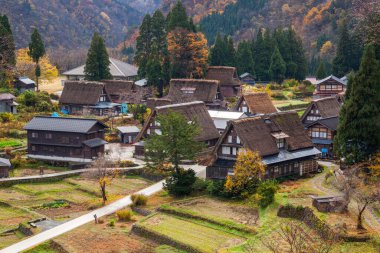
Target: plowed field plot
x=201, y=237
x=220, y=209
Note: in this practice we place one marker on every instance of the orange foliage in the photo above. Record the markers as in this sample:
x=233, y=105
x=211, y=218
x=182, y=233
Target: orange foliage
x=315, y=14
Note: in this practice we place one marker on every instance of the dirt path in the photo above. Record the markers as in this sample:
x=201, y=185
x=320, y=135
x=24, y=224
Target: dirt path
x=317, y=182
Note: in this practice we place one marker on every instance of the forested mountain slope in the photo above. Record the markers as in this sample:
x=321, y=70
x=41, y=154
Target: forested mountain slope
x=70, y=23
x=316, y=21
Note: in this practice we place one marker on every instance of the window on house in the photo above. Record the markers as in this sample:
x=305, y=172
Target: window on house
x=234, y=151
x=296, y=165
x=65, y=139
x=244, y=109
x=188, y=90
x=51, y=149
x=280, y=143
x=318, y=132
x=34, y=135
x=102, y=98
x=48, y=136
x=158, y=131
x=157, y=123
x=275, y=169
x=226, y=151
x=238, y=140
x=33, y=148
x=148, y=131
x=229, y=140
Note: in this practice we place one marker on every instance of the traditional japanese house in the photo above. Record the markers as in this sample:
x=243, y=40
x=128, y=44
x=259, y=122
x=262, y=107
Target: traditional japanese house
x=70, y=140
x=7, y=103
x=229, y=82
x=189, y=90
x=23, y=84
x=321, y=121
x=193, y=111
x=154, y=102
x=221, y=118
x=128, y=134
x=100, y=98
x=329, y=87
x=255, y=103
x=279, y=138
x=5, y=166
x=119, y=70
x=247, y=78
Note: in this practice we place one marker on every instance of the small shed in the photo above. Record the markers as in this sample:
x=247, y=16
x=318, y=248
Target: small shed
x=24, y=83
x=247, y=78
x=128, y=134
x=5, y=166
x=334, y=204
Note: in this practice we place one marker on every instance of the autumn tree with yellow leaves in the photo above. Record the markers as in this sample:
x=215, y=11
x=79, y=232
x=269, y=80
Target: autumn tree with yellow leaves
x=248, y=172
x=26, y=67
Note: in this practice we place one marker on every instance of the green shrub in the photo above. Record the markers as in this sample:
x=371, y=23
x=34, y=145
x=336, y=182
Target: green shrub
x=216, y=188
x=6, y=117
x=126, y=163
x=112, y=223
x=329, y=174
x=124, y=215
x=56, y=204
x=139, y=199
x=200, y=185
x=180, y=184
x=266, y=192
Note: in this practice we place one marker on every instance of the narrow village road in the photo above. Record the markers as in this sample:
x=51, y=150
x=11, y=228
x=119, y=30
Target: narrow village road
x=77, y=222
x=369, y=215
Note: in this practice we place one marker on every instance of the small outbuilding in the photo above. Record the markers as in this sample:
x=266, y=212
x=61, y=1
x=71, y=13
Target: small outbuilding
x=247, y=78
x=335, y=204
x=5, y=166
x=24, y=83
x=128, y=134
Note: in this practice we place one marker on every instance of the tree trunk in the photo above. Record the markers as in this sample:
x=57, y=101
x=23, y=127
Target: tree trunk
x=104, y=195
x=360, y=218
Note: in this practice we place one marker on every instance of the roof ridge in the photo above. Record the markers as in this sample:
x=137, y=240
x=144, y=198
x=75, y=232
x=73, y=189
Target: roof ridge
x=114, y=64
x=50, y=117
x=179, y=104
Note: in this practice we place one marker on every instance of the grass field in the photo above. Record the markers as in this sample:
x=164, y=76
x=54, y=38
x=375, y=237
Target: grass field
x=12, y=143
x=201, y=237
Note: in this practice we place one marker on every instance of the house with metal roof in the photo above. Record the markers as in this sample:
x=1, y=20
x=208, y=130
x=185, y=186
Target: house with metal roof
x=221, y=118
x=119, y=70
x=8, y=103
x=68, y=140
x=279, y=138
x=128, y=134
x=330, y=86
x=247, y=78
x=24, y=83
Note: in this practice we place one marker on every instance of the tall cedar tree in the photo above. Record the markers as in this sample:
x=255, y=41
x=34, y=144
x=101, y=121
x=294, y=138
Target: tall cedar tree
x=175, y=143
x=277, y=66
x=321, y=72
x=178, y=18
x=36, y=51
x=263, y=53
x=297, y=66
x=217, y=52
x=230, y=53
x=358, y=133
x=154, y=70
x=244, y=59
x=97, y=66
x=348, y=53
x=143, y=45
x=7, y=52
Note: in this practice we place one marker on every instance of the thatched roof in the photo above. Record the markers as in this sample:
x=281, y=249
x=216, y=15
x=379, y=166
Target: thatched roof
x=81, y=93
x=227, y=76
x=119, y=90
x=188, y=90
x=154, y=102
x=257, y=133
x=328, y=107
x=193, y=111
x=258, y=103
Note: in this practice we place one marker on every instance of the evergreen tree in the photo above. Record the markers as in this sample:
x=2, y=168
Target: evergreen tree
x=97, y=66
x=321, y=72
x=277, y=67
x=263, y=53
x=143, y=45
x=230, y=53
x=7, y=44
x=158, y=32
x=358, y=133
x=296, y=63
x=217, y=52
x=154, y=69
x=244, y=59
x=36, y=52
x=348, y=53
x=178, y=18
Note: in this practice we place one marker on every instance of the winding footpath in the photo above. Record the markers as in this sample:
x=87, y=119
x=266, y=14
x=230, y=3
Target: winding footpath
x=77, y=222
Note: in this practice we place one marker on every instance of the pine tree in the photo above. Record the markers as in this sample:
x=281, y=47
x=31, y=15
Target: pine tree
x=217, y=52
x=230, y=53
x=36, y=51
x=7, y=44
x=143, y=45
x=97, y=64
x=277, y=67
x=321, y=72
x=178, y=18
x=158, y=32
x=348, y=53
x=358, y=133
x=264, y=47
x=296, y=63
x=244, y=59
x=154, y=70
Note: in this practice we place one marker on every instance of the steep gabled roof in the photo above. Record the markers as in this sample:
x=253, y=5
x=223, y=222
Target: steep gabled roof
x=328, y=107
x=193, y=111
x=119, y=90
x=331, y=123
x=6, y=96
x=81, y=93
x=154, y=102
x=117, y=69
x=333, y=78
x=188, y=90
x=227, y=76
x=256, y=133
x=71, y=125
x=258, y=103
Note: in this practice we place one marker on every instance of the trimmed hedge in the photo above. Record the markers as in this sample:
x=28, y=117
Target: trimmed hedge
x=162, y=239
x=194, y=215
